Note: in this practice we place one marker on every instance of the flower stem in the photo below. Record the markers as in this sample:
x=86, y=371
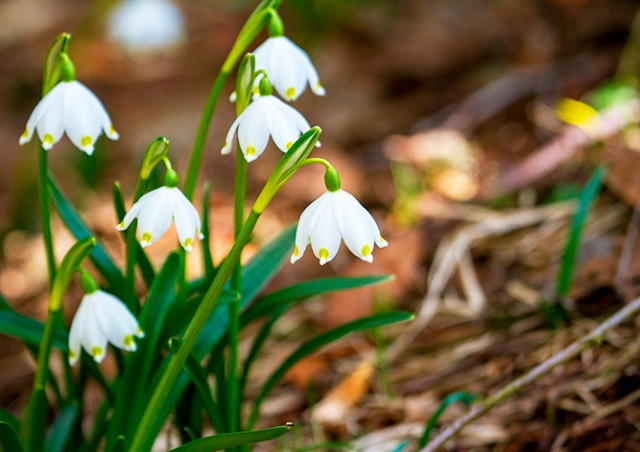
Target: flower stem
x=148, y=426
x=45, y=214
x=249, y=31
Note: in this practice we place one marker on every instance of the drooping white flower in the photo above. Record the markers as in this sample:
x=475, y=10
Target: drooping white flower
x=146, y=25
x=266, y=116
x=154, y=212
x=333, y=216
x=288, y=67
x=72, y=108
x=102, y=318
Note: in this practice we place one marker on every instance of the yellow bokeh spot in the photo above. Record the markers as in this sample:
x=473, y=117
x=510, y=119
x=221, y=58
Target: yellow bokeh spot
x=146, y=237
x=96, y=352
x=575, y=112
x=289, y=144
x=25, y=134
x=291, y=92
x=251, y=150
x=128, y=340
x=85, y=141
x=187, y=242
x=48, y=138
x=323, y=253
x=366, y=250
x=296, y=251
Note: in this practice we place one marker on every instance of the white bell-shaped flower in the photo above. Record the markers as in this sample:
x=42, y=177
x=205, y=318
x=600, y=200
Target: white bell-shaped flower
x=266, y=116
x=334, y=216
x=156, y=209
x=288, y=67
x=72, y=108
x=146, y=25
x=102, y=318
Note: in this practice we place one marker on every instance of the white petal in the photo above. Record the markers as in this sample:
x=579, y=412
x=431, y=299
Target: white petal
x=82, y=119
x=306, y=66
x=74, y=333
x=50, y=126
x=91, y=336
x=284, y=124
x=155, y=216
x=302, y=231
x=99, y=111
x=357, y=226
x=325, y=235
x=118, y=325
x=289, y=77
x=52, y=98
x=134, y=211
x=253, y=131
x=184, y=215
x=228, y=141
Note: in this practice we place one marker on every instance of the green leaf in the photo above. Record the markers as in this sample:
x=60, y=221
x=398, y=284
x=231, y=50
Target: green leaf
x=29, y=330
x=76, y=226
x=62, y=428
x=156, y=151
x=199, y=378
x=206, y=241
x=588, y=195
x=9, y=440
x=120, y=444
x=318, y=342
x=245, y=81
x=34, y=420
x=228, y=440
x=265, y=305
x=9, y=418
x=68, y=267
x=463, y=397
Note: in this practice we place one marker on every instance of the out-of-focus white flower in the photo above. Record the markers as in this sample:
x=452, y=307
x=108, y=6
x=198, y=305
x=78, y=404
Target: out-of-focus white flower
x=333, y=216
x=146, y=25
x=156, y=209
x=266, y=116
x=72, y=108
x=102, y=318
x=288, y=67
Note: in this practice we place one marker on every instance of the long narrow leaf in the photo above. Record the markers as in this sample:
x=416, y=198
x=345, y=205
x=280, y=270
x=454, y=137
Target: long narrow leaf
x=76, y=226
x=30, y=330
x=267, y=304
x=62, y=428
x=318, y=342
x=228, y=440
x=9, y=440
x=588, y=195
x=34, y=420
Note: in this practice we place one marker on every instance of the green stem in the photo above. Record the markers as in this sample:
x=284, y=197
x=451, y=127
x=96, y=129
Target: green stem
x=151, y=417
x=45, y=214
x=252, y=27
x=235, y=400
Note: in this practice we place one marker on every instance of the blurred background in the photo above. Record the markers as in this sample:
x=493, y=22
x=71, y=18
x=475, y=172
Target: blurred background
x=433, y=111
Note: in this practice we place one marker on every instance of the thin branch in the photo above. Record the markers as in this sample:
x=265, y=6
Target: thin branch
x=477, y=410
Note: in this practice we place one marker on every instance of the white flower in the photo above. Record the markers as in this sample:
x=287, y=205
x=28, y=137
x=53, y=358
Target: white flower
x=266, y=115
x=154, y=212
x=288, y=67
x=72, y=108
x=336, y=215
x=146, y=25
x=102, y=318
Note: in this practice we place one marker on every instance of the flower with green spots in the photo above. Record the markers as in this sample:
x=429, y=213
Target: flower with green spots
x=288, y=66
x=101, y=318
x=333, y=216
x=156, y=209
x=72, y=108
x=266, y=116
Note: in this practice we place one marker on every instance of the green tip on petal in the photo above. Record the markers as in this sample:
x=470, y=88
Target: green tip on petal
x=323, y=253
x=86, y=141
x=96, y=352
x=296, y=251
x=290, y=93
x=128, y=340
x=187, y=242
x=146, y=237
x=366, y=250
x=47, y=139
x=251, y=150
